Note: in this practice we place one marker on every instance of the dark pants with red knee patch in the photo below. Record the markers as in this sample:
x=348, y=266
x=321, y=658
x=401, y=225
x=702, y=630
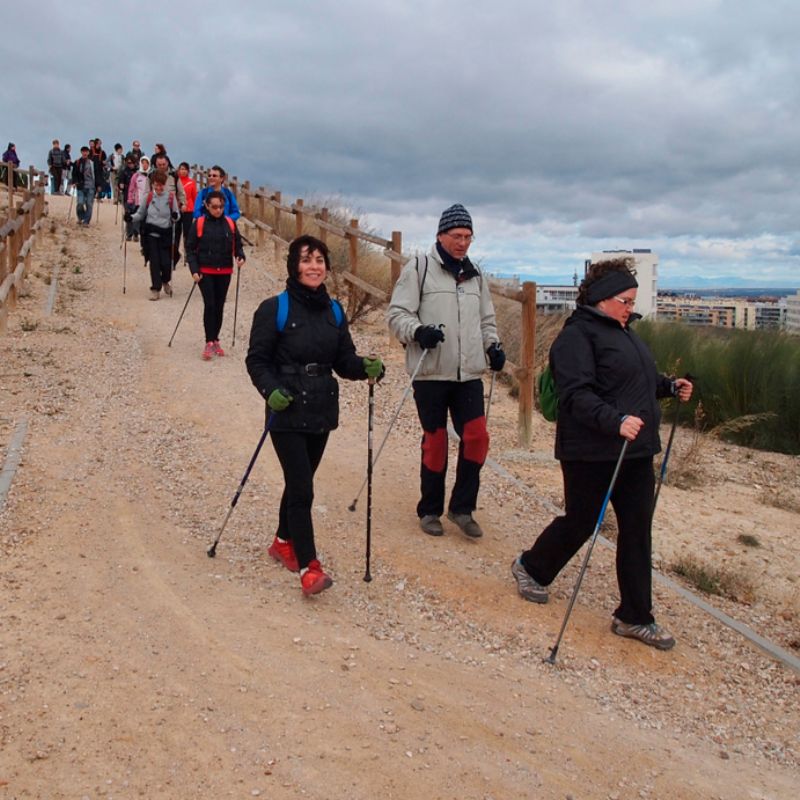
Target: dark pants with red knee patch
x=464, y=401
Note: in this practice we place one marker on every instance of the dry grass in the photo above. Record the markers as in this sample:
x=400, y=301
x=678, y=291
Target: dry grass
x=780, y=497
x=714, y=580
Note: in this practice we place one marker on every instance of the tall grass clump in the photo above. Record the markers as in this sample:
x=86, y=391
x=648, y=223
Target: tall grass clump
x=747, y=381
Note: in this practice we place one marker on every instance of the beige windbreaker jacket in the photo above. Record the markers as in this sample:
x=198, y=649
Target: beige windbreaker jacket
x=465, y=309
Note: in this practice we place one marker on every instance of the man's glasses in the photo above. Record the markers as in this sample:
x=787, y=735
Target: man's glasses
x=626, y=301
x=213, y=206
x=461, y=237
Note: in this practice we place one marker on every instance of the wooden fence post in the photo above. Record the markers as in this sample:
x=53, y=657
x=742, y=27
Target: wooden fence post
x=262, y=213
x=396, y=247
x=298, y=218
x=526, y=374
x=276, y=229
x=323, y=232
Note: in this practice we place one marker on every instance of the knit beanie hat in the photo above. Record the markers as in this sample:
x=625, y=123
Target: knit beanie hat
x=454, y=217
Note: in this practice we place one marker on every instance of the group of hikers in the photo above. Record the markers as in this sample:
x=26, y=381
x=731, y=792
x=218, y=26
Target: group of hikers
x=441, y=310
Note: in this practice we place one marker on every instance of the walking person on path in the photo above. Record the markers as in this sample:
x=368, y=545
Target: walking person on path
x=156, y=217
x=124, y=179
x=67, y=173
x=55, y=165
x=441, y=306
x=216, y=181
x=85, y=188
x=291, y=361
x=187, y=209
x=212, y=246
x=138, y=190
x=608, y=390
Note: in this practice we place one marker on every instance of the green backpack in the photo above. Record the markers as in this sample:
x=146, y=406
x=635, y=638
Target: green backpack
x=548, y=395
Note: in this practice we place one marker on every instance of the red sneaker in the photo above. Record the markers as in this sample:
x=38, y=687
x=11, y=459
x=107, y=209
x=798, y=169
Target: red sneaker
x=217, y=349
x=314, y=580
x=208, y=352
x=283, y=552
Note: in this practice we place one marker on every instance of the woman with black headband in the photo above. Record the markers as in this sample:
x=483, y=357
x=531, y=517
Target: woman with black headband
x=608, y=390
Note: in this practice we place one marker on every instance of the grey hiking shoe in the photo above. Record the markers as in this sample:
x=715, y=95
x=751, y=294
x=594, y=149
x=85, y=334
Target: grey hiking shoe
x=467, y=524
x=431, y=525
x=651, y=634
x=527, y=586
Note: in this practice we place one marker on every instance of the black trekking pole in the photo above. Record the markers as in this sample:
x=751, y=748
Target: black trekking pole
x=236, y=306
x=663, y=471
x=551, y=659
x=352, y=506
x=370, y=418
x=489, y=401
x=212, y=551
x=169, y=344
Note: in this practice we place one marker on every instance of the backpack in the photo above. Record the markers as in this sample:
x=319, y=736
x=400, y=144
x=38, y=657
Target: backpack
x=548, y=394
x=283, y=311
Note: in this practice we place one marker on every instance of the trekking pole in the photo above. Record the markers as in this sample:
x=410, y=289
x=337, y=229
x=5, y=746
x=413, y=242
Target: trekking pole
x=491, y=392
x=97, y=205
x=124, y=265
x=71, y=198
x=169, y=344
x=236, y=306
x=663, y=471
x=551, y=659
x=370, y=417
x=212, y=551
x=352, y=506
x=116, y=212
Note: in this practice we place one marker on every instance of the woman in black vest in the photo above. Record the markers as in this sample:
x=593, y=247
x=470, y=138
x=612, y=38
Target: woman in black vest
x=296, y=344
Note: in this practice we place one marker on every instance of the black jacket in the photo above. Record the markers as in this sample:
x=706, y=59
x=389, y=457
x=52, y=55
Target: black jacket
x=602, y=373
x=216, y=247
x=279, y=359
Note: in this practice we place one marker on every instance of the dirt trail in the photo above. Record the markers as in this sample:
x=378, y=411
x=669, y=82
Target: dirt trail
x=132, y=665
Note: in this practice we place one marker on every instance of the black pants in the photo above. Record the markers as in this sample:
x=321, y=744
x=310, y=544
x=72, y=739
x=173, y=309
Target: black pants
x=585, y=486
x=464, y=401
x=158, y=244
x=55, y=187
x=214, y=289
x=299, y=454
x=183, y=226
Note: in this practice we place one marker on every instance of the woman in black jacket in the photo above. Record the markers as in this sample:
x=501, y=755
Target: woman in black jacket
x=298, y=340
x=212, y=245
x=608, y=390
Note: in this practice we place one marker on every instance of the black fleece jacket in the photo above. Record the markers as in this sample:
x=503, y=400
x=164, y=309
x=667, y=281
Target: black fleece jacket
x=602, y=373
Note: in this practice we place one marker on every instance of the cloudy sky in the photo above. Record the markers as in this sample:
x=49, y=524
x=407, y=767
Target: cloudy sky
x=565, y=127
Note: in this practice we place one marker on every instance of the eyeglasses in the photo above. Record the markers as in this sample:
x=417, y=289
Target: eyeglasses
x=626, y=301
x=461, y=237
x=212, y=206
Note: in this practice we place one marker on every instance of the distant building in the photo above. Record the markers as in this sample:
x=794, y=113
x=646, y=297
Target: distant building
x=793, y=313
x=722, y=312
x=646, y=262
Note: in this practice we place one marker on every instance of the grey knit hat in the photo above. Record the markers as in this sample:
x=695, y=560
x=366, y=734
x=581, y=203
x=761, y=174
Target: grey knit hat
x=454, y=217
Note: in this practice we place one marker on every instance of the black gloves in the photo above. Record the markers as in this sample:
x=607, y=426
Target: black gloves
x=497, y=358
x=428, y=336
x=127, y=216
x=175, y=216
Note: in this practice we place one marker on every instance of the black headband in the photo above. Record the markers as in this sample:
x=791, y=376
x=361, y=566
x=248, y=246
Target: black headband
x=612, y=283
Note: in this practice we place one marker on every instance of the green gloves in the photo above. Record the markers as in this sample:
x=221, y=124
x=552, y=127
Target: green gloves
x=279, y=400
x=373, y=367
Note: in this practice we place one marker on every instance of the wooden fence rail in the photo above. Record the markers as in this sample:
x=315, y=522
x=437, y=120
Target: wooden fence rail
x=265, y=210
x=24, y=217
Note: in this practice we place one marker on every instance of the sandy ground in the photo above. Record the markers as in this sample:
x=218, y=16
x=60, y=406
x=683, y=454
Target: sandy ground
x=132, y=665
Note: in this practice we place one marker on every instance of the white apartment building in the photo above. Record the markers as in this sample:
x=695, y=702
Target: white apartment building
x=793, y=313
x=646, y=274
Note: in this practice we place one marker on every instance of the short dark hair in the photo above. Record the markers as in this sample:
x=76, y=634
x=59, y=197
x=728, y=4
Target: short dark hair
x=599, y=269
x=215, y=195
x=159, y=177
x=185, y=164
x=85, y=147
x=220, y=170
x=314, y=245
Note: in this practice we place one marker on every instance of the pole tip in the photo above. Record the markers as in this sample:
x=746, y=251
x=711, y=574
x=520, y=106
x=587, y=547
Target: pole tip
x=367, y=578
x=352, y=506
x=212, y=551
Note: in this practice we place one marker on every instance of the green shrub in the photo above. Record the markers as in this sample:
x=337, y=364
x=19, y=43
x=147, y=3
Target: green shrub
x=748, y=381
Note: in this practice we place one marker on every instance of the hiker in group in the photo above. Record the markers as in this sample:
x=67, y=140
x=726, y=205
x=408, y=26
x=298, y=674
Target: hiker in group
x=10, y=156
x=441, y=307
x=124, y=179
x=85, y=187
x=117, y=164
x=216, y=180
x=98, y=156
x=608, y=390
x=160, y=150
x=55, y=165
x=187, y=209
x=67, y=172
x=212, y=245
x=175, y=187
x=298, y=340
x=135, y=152
x=156, y=217
x=138, y=190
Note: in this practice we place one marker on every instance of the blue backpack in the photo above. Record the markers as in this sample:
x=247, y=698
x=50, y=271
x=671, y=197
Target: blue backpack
x=283, y=311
